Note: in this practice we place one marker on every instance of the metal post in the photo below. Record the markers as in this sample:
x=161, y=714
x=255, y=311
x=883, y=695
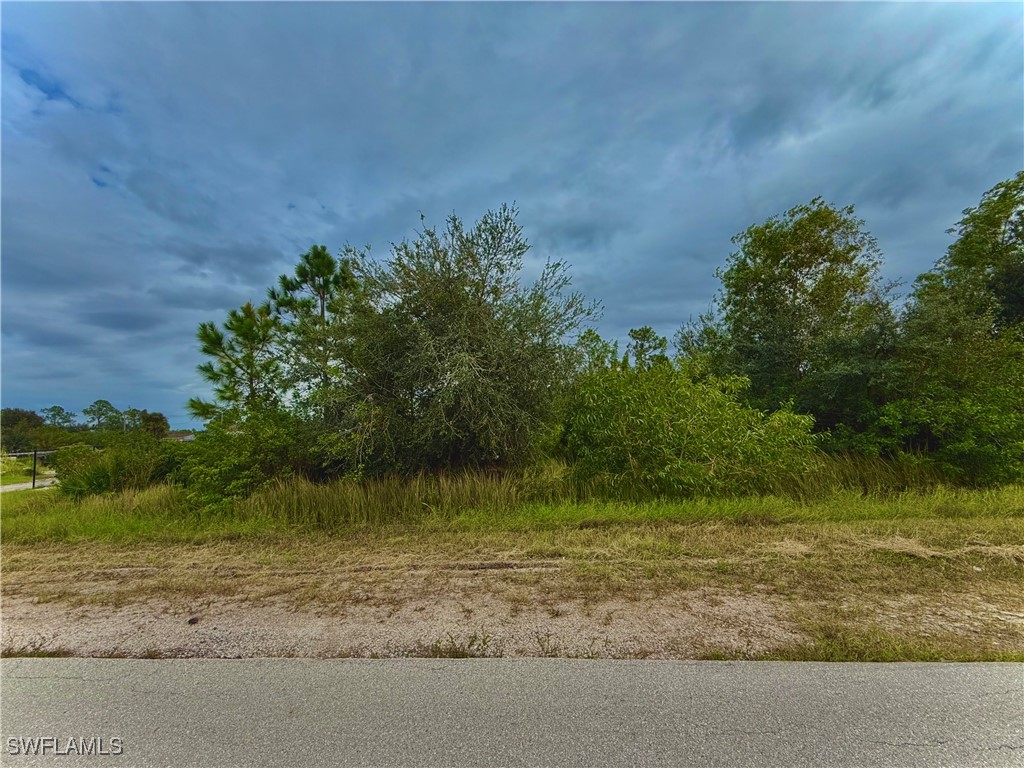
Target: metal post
x=35, y=454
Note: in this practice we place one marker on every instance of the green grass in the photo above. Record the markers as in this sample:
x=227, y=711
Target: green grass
x=154, y=514
x=162, y=513
x=19, y=470
x=16, y=470
x=12, y=502
x=844, y=506
x=542, y=497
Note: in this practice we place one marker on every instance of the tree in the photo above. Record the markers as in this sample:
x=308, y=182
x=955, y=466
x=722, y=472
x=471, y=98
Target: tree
x=987, y=259
x=18, y=428
x=103, y=415
x=154, y=423
x=454, y=361
x=959, y=386
x=804, y=315
x=56, y=416
x=596, y=353
x=245, y=370
x=131, y=418
x=958, y=390
x=647, y=347
x=314, y=306
x=16, y=417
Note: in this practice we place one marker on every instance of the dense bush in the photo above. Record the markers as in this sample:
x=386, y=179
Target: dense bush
x=971, y=441
x=659, y=431
x=133, y=460
x=455, y=360
x=233, y=458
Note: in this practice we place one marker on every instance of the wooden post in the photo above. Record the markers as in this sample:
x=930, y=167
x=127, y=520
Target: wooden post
x=35, y=454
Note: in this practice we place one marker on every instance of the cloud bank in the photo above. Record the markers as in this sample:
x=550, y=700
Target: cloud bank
x=163, y=163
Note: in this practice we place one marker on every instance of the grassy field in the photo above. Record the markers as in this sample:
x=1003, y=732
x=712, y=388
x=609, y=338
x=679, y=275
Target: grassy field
x=935, y=574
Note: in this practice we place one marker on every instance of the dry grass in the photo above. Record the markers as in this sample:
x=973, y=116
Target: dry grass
x=857, y=587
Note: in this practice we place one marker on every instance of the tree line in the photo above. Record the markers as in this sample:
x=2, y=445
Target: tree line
x=443, y=357
x=25, y=430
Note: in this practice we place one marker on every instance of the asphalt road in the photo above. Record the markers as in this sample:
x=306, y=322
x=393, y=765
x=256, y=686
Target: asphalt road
x=41, y=482
x=488, y=712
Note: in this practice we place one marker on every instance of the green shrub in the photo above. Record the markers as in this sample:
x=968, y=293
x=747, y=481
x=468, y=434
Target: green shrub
x=233, y=458
x=79, y=471
x=133, y=460
x=10, y=464
x=975, y=441
x=660, y=432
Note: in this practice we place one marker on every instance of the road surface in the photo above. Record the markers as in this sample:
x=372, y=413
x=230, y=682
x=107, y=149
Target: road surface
x=41, y=482
x=489, y=712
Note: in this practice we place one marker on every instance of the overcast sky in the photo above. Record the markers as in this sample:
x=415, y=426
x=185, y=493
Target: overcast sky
x=163, y=163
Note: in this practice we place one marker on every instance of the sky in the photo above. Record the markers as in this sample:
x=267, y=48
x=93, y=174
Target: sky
x=163, y=163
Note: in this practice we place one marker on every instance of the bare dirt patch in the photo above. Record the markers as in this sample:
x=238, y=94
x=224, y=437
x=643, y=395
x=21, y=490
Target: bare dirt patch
x=457, y=618
x=989, y=623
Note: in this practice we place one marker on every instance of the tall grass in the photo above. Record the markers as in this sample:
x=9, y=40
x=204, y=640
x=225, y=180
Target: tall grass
x=478, y=502
x=840, y=489
x=395, y=499
x=874, y=476
x=159, y=513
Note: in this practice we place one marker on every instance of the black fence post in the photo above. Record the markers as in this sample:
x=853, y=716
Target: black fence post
x=35, y=454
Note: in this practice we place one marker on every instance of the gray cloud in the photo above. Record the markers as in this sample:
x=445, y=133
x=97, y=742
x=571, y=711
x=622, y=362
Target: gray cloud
x=165, y=162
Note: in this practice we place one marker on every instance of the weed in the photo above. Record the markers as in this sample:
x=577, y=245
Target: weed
x=548, y=647
x=37, y=648
x=475, y=646
x=834, y=641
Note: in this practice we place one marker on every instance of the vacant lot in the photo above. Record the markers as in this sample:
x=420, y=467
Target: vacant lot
x=916, y=576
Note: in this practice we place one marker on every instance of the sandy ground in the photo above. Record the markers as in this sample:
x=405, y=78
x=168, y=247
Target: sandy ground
x=225, y=601
x=477, y=614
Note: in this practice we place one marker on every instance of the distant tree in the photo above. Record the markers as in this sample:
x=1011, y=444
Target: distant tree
x=17, y=429
x=131, y=418
x=14, y=417
x=596, y=353
x=103, y=415
x=154, y=423
x=245, y=369
x=647, y=348
x=57, y=416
